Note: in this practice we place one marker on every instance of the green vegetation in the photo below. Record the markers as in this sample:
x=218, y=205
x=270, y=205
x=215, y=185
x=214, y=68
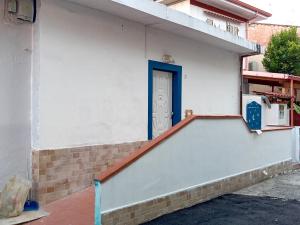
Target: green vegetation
x=283, y=53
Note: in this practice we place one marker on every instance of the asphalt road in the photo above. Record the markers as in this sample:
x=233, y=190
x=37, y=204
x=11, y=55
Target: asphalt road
x=273, y=202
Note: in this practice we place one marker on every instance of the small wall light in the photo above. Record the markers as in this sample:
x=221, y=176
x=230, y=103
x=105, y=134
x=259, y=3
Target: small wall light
x=168, y=59
x=188, y=113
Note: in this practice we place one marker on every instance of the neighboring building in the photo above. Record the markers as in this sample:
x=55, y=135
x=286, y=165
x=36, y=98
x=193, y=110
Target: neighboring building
x=261, y=33
x=86, y=86
x=229, y=15
x=267, y=83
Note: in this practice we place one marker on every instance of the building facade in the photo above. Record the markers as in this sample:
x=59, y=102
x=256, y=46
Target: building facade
x=261, y=33
x=230, y=16
x=87, y=83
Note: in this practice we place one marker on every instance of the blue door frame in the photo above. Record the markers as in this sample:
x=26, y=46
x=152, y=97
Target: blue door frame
x=176, y=91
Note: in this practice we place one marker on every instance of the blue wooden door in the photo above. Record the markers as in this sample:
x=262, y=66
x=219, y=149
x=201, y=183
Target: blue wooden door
x=254, y=115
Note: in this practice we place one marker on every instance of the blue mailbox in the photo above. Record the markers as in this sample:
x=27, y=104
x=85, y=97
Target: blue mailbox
x=254, y=115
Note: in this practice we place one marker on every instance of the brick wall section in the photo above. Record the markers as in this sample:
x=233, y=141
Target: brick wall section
x=58, y=173
x=150, y=210
x=262, y=33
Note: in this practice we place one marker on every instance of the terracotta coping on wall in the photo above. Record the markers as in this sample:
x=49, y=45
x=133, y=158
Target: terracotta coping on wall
x=148, y=147
x=143, y=150
x=276, y=128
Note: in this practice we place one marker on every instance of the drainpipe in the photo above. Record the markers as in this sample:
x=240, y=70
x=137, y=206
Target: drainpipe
x=242, y=79
x=241, y=84
x=246, y=62
x=97, y=213
x=292, y=101
x=247, y=36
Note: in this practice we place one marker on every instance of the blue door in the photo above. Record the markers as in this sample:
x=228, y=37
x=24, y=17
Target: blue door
x=254, y=115
x=174, y=72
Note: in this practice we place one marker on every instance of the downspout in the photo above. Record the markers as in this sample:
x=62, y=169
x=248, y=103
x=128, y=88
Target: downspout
x=246, y=62
x=247, y=36
x=241, y=84
x=292, y=101
x=97, y=212
x=242, y=78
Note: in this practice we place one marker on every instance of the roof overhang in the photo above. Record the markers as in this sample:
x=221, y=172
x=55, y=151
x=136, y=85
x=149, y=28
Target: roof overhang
x=267, y=76
x=159, y=16
x=233, y=8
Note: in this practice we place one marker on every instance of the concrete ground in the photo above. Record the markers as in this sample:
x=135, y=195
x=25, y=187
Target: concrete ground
x=275, y=201
x=285, y=186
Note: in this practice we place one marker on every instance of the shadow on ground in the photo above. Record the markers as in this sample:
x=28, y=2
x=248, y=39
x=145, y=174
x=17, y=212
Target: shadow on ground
x=233, y=209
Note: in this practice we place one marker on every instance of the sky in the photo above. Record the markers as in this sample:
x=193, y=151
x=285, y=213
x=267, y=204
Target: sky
x=283, y=12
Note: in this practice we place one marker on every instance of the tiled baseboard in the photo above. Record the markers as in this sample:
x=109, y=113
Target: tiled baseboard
x=60, y=172
x=152, y=209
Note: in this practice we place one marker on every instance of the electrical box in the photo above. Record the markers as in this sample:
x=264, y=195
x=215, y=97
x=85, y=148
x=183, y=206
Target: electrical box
x=24, y=10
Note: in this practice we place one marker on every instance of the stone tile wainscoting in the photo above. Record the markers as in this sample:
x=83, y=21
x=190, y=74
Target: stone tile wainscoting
x=146, y=211
x=58, y=173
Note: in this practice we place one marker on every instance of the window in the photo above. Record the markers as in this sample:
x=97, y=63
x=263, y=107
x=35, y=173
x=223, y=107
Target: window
x=232, y=29
x=236, y=31
x=281, y=112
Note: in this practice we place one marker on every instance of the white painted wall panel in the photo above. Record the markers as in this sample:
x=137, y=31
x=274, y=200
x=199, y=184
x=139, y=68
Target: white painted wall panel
x=296, y=144
x=15, y=64
x=183, y=6
x=93, y=78
x=200, y=153
x=93, y=82
x=210, y=83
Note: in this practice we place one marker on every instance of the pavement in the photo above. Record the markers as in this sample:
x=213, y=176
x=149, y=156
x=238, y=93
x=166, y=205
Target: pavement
x=274, y=201
x=286, y=186
x=75, y=209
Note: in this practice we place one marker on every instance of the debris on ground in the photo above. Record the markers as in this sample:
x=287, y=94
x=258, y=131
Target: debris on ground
x=13, y=197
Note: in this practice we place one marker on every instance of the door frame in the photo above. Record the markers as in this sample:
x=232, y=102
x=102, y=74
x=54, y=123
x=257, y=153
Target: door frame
x=176, y=91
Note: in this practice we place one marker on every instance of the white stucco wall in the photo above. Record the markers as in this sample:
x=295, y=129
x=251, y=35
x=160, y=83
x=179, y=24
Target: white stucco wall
x=199, y=13
x=15, y=64
x=200, y=153
x=183, y=6
x=296, y=144
x=93, y=77
x=210, y=83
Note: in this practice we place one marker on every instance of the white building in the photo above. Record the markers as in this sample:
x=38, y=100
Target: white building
x=229, y=15
x=89, y=82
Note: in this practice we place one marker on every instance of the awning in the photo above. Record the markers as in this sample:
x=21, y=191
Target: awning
x=236, y=8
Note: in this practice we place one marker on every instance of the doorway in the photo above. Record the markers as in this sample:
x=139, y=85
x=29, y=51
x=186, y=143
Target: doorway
x=164, y=97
